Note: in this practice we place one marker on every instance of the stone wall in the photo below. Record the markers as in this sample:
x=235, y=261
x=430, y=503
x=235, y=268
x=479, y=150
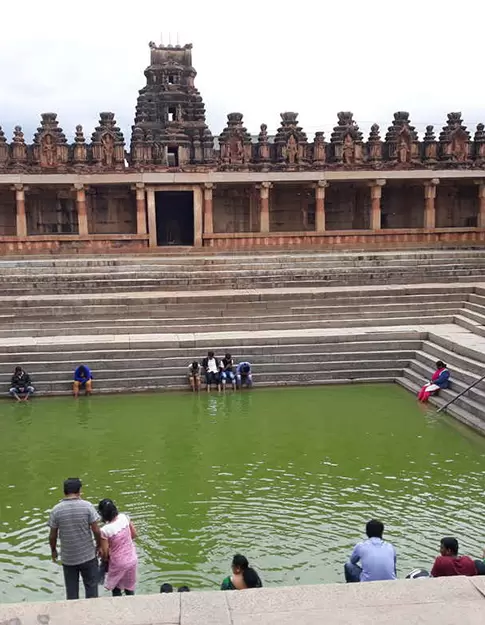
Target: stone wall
x=51, y=211
x=402, y=206
x=292, y=209
x=111, y=210
x=456, y=206
x=7, y=213
x=232, y=210
x=347, y=207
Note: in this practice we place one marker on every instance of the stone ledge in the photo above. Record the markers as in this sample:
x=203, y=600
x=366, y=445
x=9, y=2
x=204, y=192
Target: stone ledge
x=443, y=601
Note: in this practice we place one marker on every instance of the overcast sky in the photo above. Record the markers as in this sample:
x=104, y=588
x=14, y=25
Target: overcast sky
x=259, y=57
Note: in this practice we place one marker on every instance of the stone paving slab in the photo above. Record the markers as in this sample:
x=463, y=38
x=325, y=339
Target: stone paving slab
x=443, y=601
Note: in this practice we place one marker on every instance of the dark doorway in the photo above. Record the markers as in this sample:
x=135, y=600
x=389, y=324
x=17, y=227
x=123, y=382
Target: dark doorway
x=175, y=217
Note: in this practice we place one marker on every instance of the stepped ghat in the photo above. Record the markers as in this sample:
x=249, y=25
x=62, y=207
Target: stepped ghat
x=300, y=318
x=173, y=185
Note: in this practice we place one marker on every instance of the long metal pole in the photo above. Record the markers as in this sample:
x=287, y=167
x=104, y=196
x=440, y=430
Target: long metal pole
x=460, y=394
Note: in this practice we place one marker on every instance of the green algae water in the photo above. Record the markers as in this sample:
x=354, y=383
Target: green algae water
x=287, y=477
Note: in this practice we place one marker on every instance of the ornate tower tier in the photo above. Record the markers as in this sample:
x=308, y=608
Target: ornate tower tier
x=170, y=114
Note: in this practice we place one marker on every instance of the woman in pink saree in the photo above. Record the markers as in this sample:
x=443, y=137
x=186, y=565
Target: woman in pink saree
x=118, y=549
x=440, y=379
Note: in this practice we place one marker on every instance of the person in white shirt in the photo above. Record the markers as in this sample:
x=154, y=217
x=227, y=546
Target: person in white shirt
x=212, y=366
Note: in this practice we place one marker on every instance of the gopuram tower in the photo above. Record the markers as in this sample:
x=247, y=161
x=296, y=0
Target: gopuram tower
x=170, y=128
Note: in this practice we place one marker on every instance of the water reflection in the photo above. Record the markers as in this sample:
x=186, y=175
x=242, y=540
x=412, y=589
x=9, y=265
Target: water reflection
x=288, y=476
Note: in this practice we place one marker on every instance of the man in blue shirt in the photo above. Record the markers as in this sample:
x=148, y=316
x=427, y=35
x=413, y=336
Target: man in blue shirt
x=377, y=557
x=83, y=378
x=244, y=375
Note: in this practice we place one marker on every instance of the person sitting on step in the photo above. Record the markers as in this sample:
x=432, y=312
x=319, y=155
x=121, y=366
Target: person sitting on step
x=449, y=563
x=194, y=376
x=227, y=371
x=83, y=378
x=440, y=379
x=211, y=366
x=244, y=376
x=376, y=556
x=21, y=385
x=243, y=576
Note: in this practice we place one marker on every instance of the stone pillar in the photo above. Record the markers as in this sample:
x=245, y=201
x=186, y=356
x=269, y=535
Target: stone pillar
x=208, y=208
x=152, y=217
x=375, y=211
x=141, y=209
x=264, y=188
x=481, y=205
x=429, y=203
x=320, y=205
x=82, y=214
x=198, y=210
x=21, y=214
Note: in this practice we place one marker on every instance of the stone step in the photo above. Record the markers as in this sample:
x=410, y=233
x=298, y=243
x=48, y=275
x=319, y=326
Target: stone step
x=460, y=378
x=261, y=367
x=169, y=382
x=208, y=324
x=180, y=361
x=416, y=374
x=361, y=319
x=290, y=267
x=293, y=342
x=450, y=357
x=458, y=413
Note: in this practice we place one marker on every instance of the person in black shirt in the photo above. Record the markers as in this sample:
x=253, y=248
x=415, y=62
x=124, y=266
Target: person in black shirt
x=227, y=372
x=21, y=385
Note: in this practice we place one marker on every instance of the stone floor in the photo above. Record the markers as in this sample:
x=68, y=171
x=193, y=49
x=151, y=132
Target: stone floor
x=444, y=601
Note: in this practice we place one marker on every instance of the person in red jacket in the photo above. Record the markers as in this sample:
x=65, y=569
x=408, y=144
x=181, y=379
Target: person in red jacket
x=450, y=563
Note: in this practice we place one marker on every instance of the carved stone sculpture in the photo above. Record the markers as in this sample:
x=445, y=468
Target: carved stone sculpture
x=263, y=147
x=346, y=140
x=235, y=141
x=19, y=149
x=454, y=140
x=3, y=149
x=108, y=144
x=374, y=144
x=79, y=150
x=479, y=143
x=50, y=149
x=430, y=145
x=290, y=141
x=401, y=142
x=319, y=149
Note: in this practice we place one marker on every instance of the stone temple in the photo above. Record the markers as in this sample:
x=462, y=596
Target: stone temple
x=174, y=184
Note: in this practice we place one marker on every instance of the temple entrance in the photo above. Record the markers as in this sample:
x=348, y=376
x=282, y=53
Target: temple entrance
x=175, y=217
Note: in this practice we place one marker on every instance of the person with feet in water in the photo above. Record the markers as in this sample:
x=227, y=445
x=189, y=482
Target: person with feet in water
x=244, y=376
x=227, y=372
x=21, y=385
x=118, y=549
x=83, y=378
x=377, y=557
x=449, y=563
x=440, y=379
x=243, y=576
x=194, y=376
x=211, y=366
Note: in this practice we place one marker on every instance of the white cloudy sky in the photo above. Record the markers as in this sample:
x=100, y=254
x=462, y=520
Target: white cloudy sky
x=259, y=57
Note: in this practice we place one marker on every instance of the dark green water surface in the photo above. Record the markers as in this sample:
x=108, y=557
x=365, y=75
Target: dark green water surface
x=287, y=477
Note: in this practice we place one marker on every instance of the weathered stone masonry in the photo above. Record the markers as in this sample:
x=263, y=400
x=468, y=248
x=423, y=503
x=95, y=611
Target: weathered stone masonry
x=177, y=185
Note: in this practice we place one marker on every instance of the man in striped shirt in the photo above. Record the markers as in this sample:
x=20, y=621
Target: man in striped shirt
x=75, y=522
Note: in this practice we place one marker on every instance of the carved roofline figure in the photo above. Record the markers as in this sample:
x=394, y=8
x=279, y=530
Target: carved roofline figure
x=454, y=140
x=50, y=149
x=374, y=144
x=401, y=142
x=108, y=143
x=346, y=140
x=479, y=143
x=430, y=145
x=319, y=148
x=3, y=149
x=290, y=141
x=235, y=141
